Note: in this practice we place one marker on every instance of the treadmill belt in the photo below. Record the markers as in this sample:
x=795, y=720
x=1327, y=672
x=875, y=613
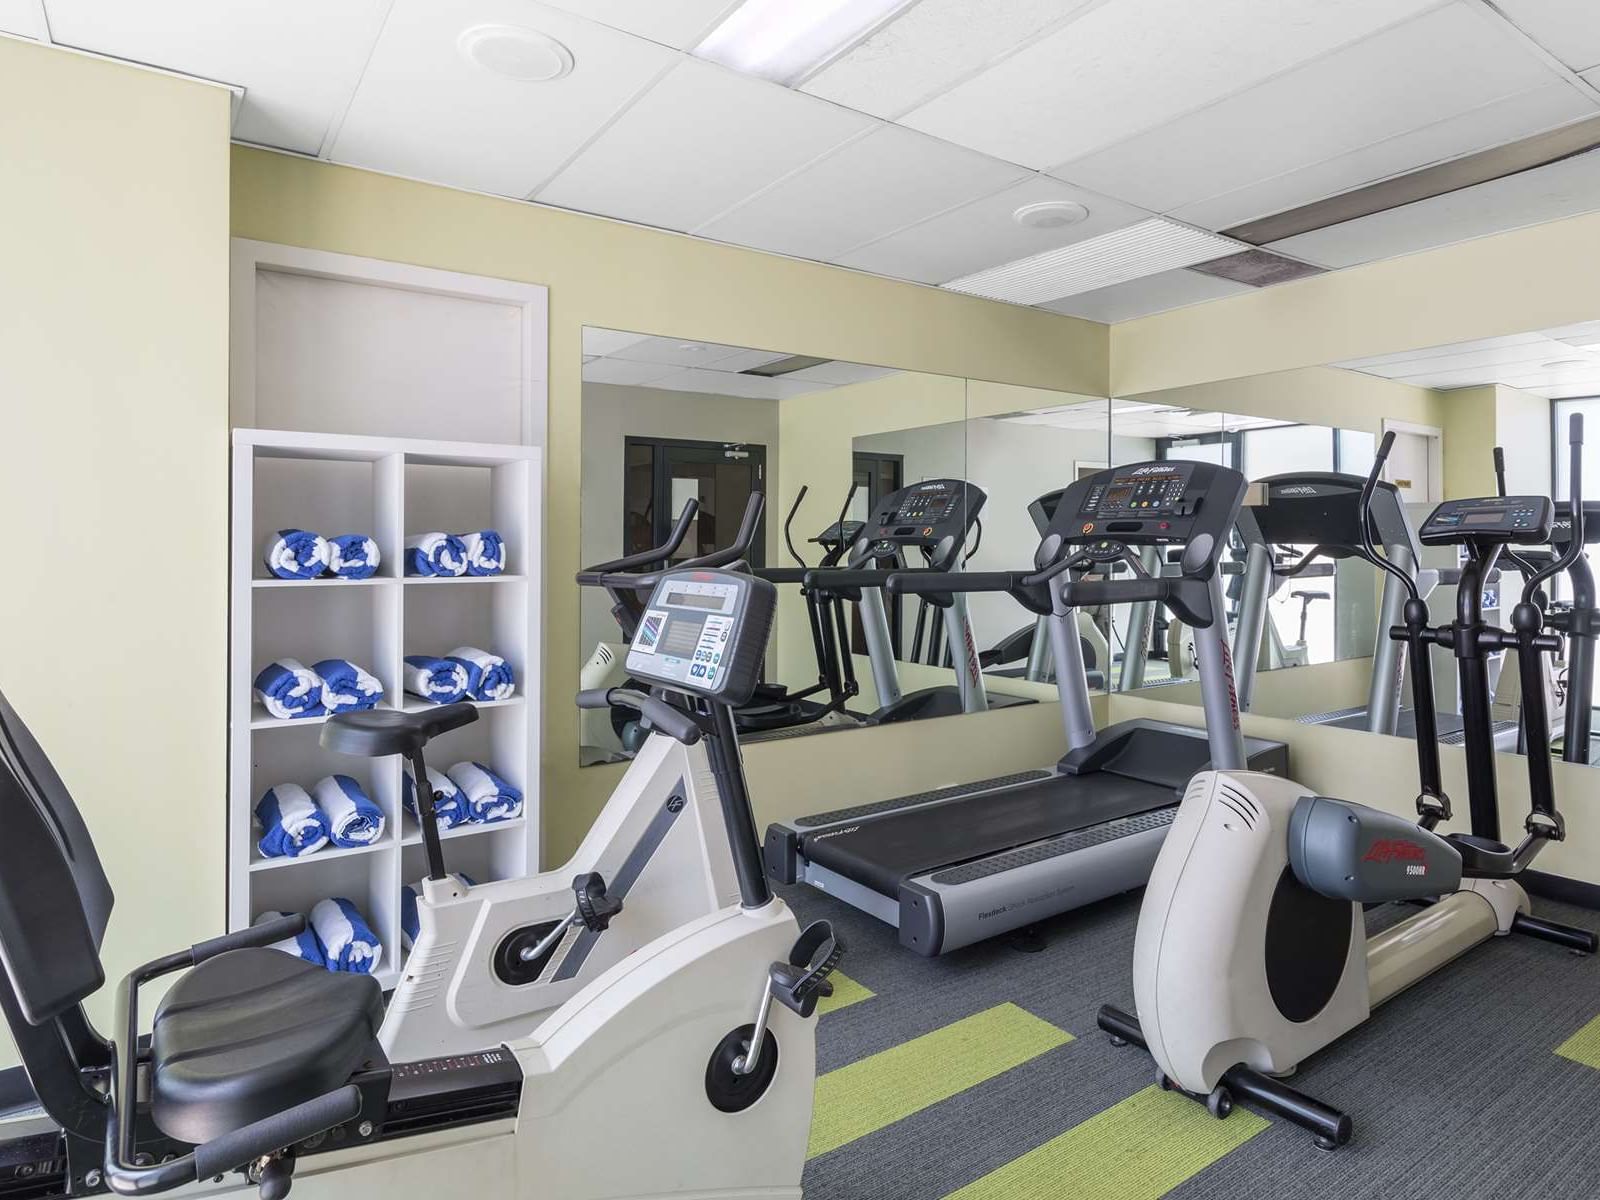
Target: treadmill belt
x=884, y=852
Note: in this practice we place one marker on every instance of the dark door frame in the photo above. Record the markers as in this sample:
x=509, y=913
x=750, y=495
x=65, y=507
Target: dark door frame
x=661, y=516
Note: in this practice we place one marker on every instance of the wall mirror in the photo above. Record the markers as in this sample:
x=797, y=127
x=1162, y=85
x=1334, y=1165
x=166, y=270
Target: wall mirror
x=857, y=463
x=1323, y=655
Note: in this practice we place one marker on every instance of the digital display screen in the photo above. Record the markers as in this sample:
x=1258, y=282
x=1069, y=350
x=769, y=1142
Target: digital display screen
x=696, y=600
x=1117, y=497
x=1494, y=517
x=681, y=636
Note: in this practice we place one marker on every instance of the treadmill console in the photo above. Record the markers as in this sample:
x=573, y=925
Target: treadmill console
x=933, y=516
x=1507, y=520
x=705, y=633
x=1148, y=504
x=1323, y=509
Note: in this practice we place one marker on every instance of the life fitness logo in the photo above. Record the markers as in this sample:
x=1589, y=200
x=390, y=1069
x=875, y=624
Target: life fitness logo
x=1398, y=850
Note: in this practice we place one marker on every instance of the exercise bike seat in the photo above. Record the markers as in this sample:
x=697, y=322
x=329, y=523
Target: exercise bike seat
x=379, y=732
x=253, y=1032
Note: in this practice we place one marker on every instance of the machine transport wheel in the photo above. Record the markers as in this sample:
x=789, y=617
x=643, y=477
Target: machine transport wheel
x=1220, y=1102
x=729, y=1091
x=1165, y=1084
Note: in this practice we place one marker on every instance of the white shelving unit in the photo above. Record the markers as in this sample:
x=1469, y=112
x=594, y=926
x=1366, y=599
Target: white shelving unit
x=388, y=488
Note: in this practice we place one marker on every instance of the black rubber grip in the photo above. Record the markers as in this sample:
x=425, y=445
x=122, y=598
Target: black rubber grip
x=277, y=1132
x=913, y=583
x=256, y=935
x=825, y=578
x=673, y=722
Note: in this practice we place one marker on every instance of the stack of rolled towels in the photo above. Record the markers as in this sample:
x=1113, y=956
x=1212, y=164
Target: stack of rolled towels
x=301, y=554
x=455, y=554
x=290, y=690
x=336, y=811
x=466, y=673
x=336, y=936
x=469, y=793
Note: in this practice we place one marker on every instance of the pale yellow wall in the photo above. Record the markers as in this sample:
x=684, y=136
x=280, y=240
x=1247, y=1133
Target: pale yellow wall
x=1534, y=278
x=1469, y=441
x=114, y=417
x=1315, y=395
x=623, y=277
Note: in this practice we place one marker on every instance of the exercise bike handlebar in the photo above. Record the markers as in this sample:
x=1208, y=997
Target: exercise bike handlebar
x=674, y=722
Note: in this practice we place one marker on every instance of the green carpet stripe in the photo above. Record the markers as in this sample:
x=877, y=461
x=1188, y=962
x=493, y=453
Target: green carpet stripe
x=891, y=1085
x=1583, y=1046
x=846, y=991
x=1139, y=1149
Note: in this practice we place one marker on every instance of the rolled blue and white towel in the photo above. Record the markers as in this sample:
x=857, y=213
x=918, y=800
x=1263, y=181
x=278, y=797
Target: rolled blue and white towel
x=291, y=823
x=449, y=805
x=436, y=554
x=353, y=819
x=486, y=552
x=488, y=675
x=410, y=923
x=296, y=554
x=303, y=945
x=489, y=798
x=437, y=679
x=353, y=556
x=288, y=689
x=347, y=687
x=347, y=940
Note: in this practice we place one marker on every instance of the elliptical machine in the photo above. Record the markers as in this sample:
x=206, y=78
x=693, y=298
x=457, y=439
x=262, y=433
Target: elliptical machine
x=1251, y=952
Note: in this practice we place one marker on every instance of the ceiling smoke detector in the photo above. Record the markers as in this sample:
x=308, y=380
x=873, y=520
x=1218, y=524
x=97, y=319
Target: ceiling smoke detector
x=525, y=55
x=1050, y=214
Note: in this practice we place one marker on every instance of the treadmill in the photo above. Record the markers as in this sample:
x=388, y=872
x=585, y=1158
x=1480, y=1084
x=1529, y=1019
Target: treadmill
x=934, y=518
x=957, y=865
x=1322, y=509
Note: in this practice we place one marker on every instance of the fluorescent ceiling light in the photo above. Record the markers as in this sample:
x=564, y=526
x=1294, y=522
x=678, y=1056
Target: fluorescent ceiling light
x=787, y=40
x=1147, y=248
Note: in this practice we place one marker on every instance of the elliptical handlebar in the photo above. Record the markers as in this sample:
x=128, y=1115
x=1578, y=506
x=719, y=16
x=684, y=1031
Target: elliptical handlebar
x=650, y=557
x=740, y=546
x=1575, y=500
x=1369, y=550
x=788, y=523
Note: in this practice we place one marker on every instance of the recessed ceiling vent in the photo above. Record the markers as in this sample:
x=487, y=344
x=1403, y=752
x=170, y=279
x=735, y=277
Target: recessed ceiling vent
x=786, y=366
x=1258, y=268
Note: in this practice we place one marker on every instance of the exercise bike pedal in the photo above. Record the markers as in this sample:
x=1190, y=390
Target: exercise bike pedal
x=799, y=983
x=595, y=907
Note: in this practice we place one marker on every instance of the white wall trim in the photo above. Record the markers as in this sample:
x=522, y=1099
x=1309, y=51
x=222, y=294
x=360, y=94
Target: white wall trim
x=250, y=257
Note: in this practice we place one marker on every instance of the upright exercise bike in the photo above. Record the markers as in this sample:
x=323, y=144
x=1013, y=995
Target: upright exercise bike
x=1251, y=952
x=684, y=1071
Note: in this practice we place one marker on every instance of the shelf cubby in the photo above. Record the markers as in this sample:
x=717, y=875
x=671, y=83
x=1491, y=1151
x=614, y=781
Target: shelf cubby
x=385, y=487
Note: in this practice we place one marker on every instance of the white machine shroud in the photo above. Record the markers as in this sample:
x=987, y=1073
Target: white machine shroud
x=450, y=1001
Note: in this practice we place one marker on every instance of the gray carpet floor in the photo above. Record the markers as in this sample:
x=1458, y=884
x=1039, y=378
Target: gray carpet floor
x=1455, y=1086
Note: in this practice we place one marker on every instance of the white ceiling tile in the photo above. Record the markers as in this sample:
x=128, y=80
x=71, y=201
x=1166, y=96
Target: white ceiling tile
x=602, y=342
x=617, y=370
x=425, y=110
x=840, y=374
x=680, y=352
x=934, y=45
x=1523, y=360
x=1493, y=124
x=697, y=143
x=1440, y=65
x=24, y=18
x=745, y=360
x=1130, y=65
x=296, y=59
x=982, y=234
x=1141, y=297
x=677, y=23
x=870, y=187
x=1569, y=29
x=719, y=383
x=1382, y=364
x=1592, y=78
x=1562, y=189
